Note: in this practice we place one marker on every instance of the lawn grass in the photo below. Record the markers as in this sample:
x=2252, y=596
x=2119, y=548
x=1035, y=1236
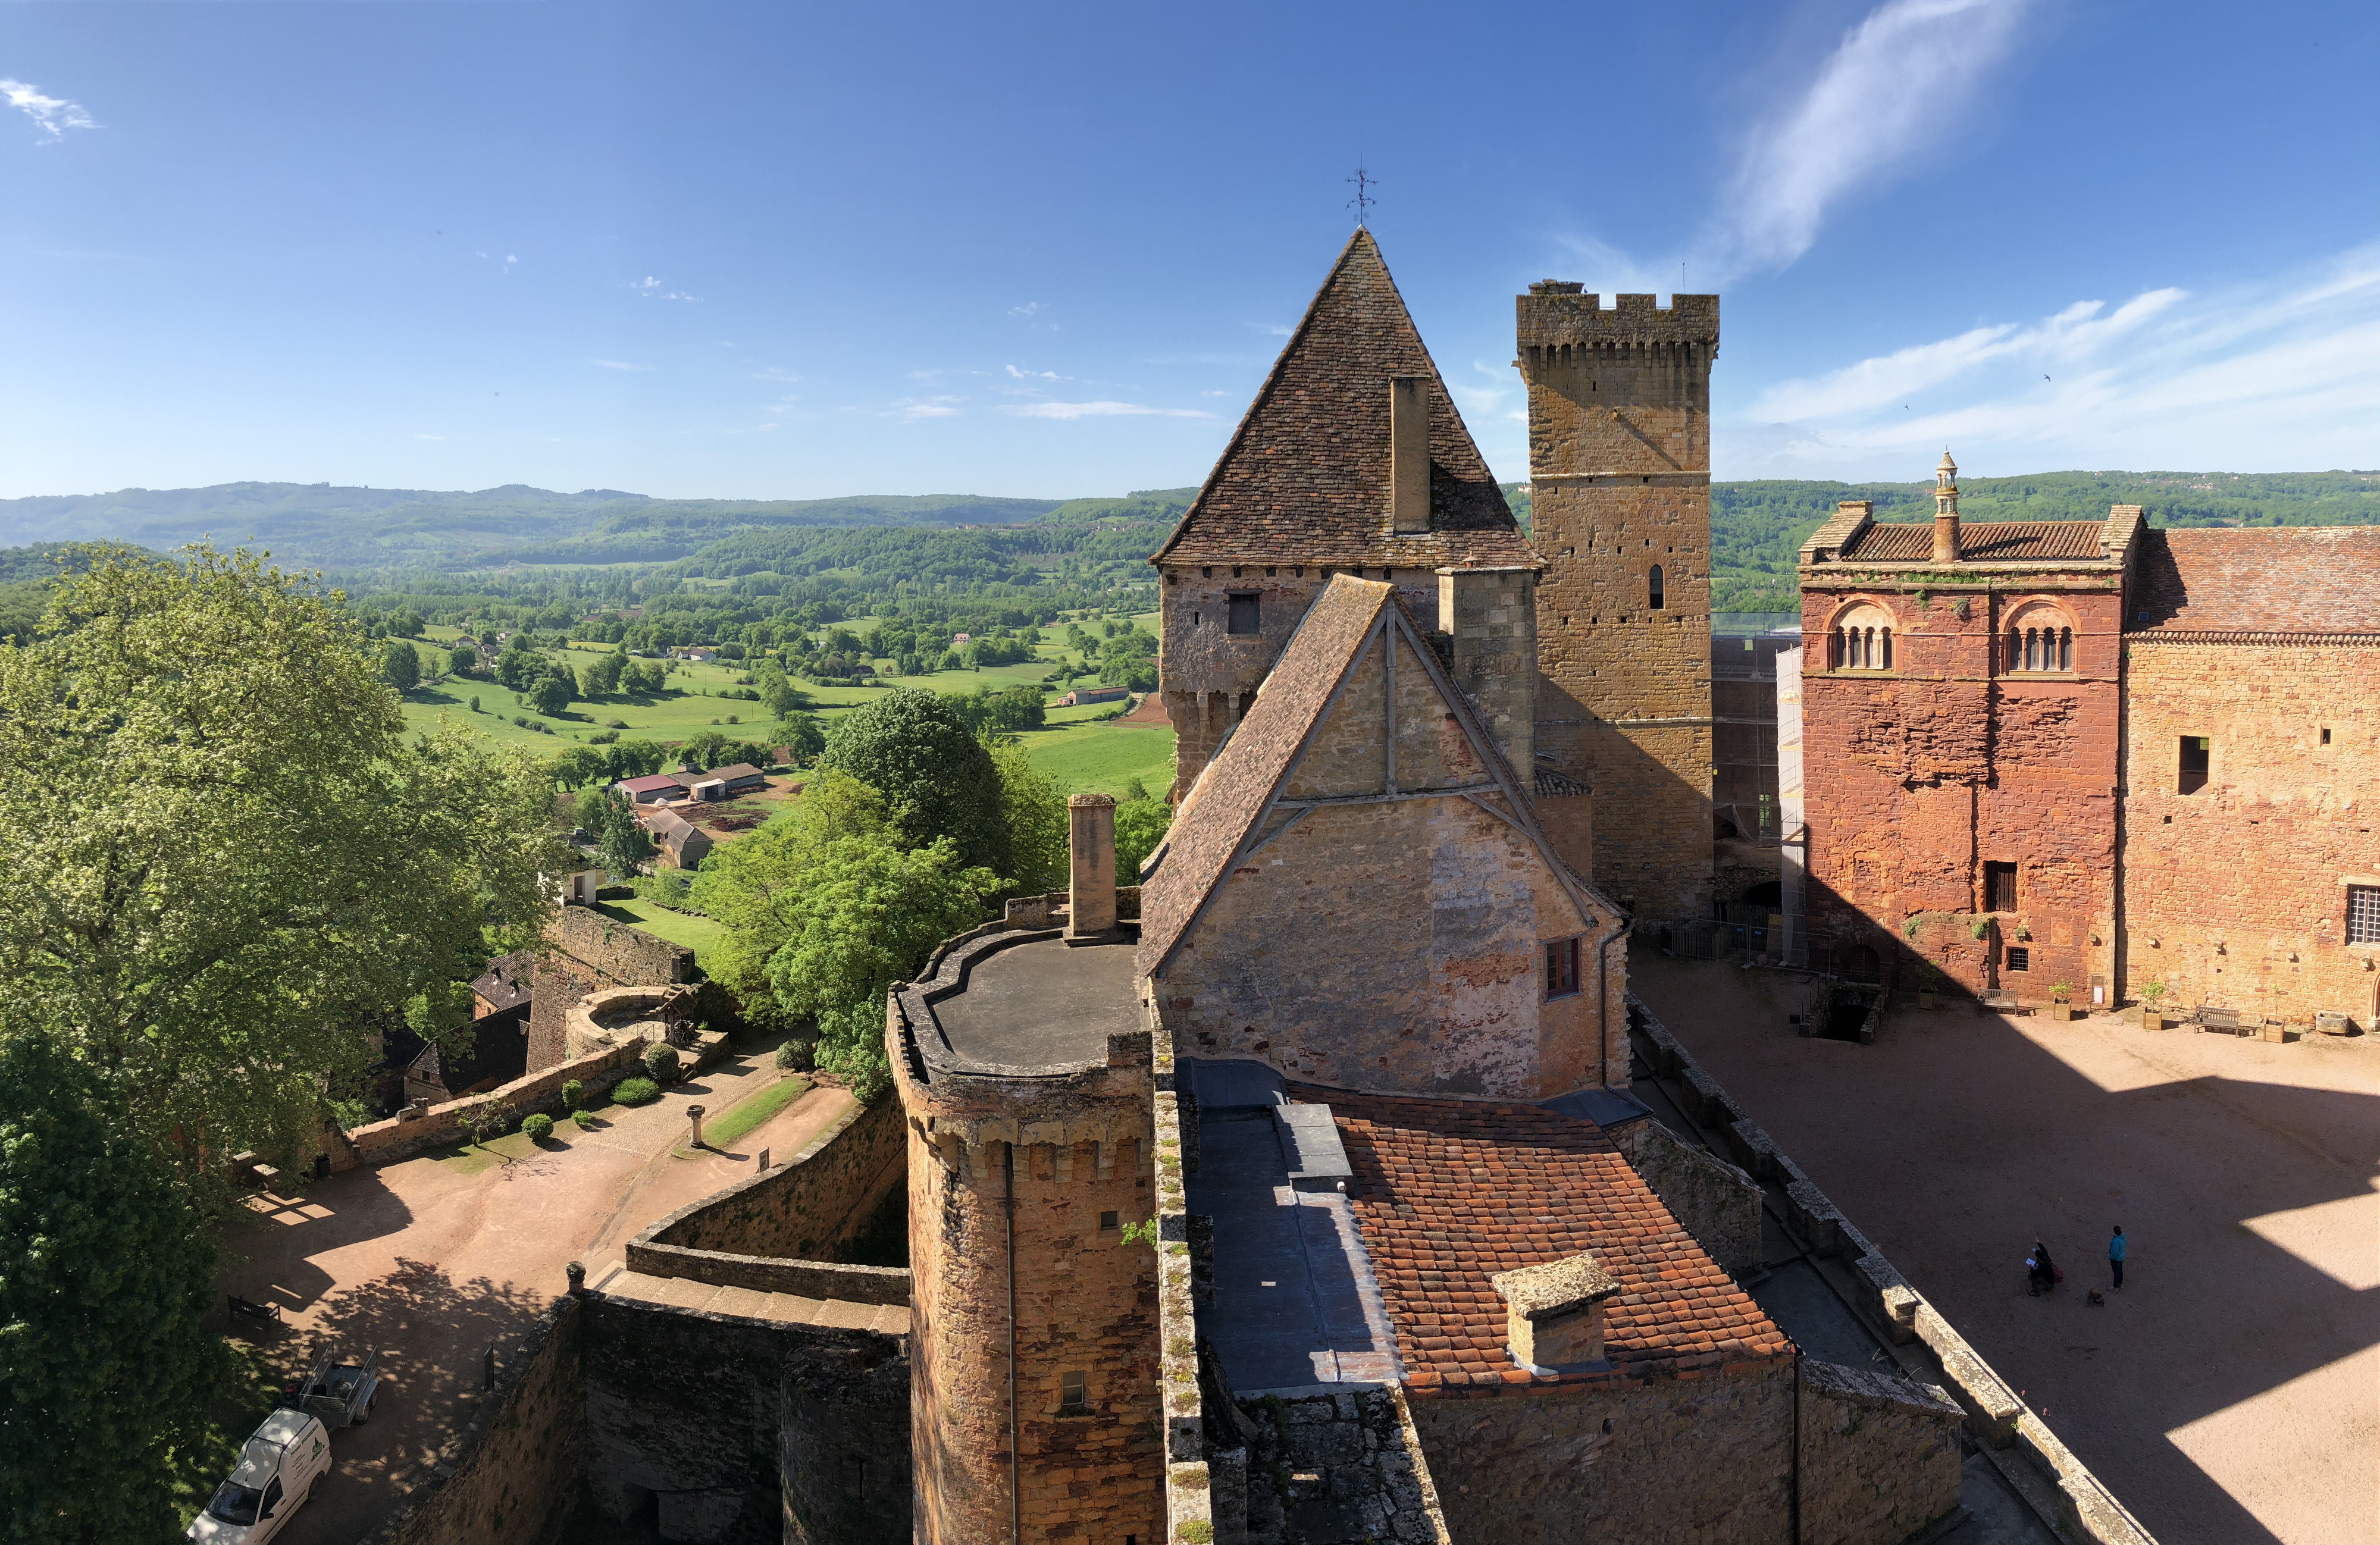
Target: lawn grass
x=1102, y=757
x=749, y=1112
x=697, y=934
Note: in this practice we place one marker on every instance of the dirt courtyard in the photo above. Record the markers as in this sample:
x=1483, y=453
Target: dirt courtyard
x=435, y=1259
x=2231, y=1393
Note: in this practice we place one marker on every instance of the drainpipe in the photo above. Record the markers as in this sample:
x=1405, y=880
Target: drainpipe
x=1015, y=1502
x=1797, y=1443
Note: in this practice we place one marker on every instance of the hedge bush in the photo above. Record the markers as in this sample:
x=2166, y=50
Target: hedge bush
x=661, y=1061
x=635, y=1092
x=573, y=1094
x=586, y=1120
x=537, y=1126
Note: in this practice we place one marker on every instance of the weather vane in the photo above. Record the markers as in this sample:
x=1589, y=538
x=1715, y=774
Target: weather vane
x=1364, y=182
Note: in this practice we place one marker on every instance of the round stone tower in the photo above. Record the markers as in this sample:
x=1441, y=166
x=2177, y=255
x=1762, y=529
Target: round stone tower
x=1022, y=1062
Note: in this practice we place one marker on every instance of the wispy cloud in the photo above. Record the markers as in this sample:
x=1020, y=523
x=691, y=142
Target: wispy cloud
x=1030, y=308
x=2284, y=374
x=653, y=289
x=52, y=115
x=773, y=373
x=1016, y=374
x=910, y=409
x=617, y=365
x=1102, y=409
x=1274, y=329
x=418, y=435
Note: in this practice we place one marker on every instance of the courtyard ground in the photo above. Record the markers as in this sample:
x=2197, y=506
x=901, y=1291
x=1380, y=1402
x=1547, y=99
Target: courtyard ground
x=437, y=1257
x=2231, y=1393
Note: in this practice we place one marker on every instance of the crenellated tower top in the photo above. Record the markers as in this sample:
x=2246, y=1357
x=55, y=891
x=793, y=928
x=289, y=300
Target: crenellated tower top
x=1556, y=313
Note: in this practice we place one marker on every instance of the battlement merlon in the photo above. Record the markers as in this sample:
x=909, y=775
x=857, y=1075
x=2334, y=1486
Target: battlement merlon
x=1555, y=313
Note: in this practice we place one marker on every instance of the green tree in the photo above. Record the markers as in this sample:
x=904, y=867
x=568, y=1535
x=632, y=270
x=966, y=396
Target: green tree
x=462, y=661
x=222, y=857
x=579, y=766
x=1034, y=809
x=799, y=733
x=404, y=623
x=590, y=810
x=1140, y=826
x=552, y=693
x=702, y=750
x=602, y=678
x=825, y=908
x=620, y=839
x=105, y=1366
x=399, y=665
x=937, y=778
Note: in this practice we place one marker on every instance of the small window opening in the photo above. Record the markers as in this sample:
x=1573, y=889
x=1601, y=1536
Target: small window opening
x=1107, y=1223
x=1207, y=571
x=1071, y=1398
x=1999, y=887
x=1243, y=612
x=1194, y=619
x=2195, y=750
x=1654, y=581
x=1247, y=701
x=2326, y=736
x=1268, y=573
x=1561, y=968
x=2364, y=914
x=2020, y=958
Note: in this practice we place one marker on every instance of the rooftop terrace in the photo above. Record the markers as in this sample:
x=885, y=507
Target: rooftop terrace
x=1037, y=1005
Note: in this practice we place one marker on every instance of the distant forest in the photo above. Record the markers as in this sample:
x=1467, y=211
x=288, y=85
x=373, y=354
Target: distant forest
x=704, y=571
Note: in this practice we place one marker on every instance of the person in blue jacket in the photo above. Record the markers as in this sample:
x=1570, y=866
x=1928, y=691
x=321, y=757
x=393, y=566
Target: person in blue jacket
x=2116, y=1255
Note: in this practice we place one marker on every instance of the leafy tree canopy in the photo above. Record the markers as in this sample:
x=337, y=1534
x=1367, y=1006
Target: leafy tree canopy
x=1034, y=809
x=936, y=779
x=106, y=1368
x=220, y=857
x=399, y=665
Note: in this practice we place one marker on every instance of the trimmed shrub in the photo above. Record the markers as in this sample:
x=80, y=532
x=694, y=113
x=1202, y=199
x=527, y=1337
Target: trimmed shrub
x=797, y=1056
x=574, y=1094
x=635, y=1092
x=537, y=1126
x=661, y=1061
x=586, y=1120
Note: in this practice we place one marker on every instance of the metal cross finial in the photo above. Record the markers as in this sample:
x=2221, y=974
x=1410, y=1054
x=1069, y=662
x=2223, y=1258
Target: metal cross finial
x=1363, y=200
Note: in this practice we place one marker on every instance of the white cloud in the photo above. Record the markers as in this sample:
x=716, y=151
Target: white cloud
x=1016, y=374
x=1276, y=329
x=652, y=289
x=52, y=115
x=617, y=365
x=911, y=410
x=1100, y=410
x=1030, y=308
x=2283, y=375
x=646, y=283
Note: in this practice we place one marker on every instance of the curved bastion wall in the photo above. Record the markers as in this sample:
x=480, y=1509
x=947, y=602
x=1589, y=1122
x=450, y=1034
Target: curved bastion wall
x=1034, y=1355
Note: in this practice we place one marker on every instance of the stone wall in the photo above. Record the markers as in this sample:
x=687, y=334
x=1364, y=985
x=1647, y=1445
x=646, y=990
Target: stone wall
x=386, y=1142
x=1620, y=477
x=2236, y=895
x=1710, y=1198
x=1879, y=1455
x=512, y=1477
x=1336, y=1469
x=590, y=952
x=746, y=1431
x=780, y=1231
x=1705, y=1456
x=1917, y=777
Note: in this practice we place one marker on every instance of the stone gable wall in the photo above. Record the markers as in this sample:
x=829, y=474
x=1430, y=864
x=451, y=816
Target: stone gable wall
x=2257, y=862
x=1711, y=1199
x=1879, y=1455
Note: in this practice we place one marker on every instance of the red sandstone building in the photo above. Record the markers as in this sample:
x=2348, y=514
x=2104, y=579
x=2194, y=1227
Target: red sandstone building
x=2093, y=756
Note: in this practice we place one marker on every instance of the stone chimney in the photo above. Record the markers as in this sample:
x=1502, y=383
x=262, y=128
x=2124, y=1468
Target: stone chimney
x=1553, y=1313
x=1090, y=846
x=1946, y=510
x=1408, y=454
x=1490, y=613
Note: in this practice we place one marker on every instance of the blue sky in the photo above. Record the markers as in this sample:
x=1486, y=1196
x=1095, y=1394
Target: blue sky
x=786, y=250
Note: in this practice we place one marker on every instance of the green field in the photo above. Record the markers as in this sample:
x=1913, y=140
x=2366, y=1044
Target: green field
x=697, y=934
x=1102, y=757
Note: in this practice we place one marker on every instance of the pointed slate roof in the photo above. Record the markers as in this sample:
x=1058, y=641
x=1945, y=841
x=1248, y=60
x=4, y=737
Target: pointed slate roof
x=1305, y=477
x=1229, y=802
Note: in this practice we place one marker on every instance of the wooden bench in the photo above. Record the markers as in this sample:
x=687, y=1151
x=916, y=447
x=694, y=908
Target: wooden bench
x=2225, y=1021
x=253, y=1310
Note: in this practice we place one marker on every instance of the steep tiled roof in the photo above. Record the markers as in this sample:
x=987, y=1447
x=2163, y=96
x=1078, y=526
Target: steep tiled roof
x=1449, y=1192
x=1981, y=542
x=1237, y=785
x=506, y=982
x=2270, y=579
x=1305, y=477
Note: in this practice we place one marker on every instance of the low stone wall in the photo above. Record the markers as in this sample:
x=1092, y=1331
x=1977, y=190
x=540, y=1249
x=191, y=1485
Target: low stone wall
x=1994, y=1414
x=793, y=1218
x=386, y=1142
x=512, y=1477
x=1049, y=910
x=1711, y=1199
x=1879, y=1455
x=1335, y=1469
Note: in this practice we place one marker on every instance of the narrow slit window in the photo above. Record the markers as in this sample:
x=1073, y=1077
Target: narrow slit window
x=2065, y=648
x=1883, y=663
x=2196, y=752
x=2326, y=736
x=1561, y=968
x=1654, y=587
x=1072, y=1400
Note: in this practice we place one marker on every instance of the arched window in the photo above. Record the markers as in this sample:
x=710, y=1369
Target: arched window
x=2040, y=637
x=1655, y=584
x=1862, y=638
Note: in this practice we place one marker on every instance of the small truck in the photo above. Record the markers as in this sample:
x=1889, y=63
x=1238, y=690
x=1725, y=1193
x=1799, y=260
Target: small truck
x=279, y=1467
x=340, y=1393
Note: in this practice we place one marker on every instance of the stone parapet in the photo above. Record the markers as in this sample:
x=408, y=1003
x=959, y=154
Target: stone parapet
x=1879, y=1456
x=404, y=1137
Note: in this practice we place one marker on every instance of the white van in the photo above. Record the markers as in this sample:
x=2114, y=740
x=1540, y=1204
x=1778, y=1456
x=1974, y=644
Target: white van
x=280, y=1466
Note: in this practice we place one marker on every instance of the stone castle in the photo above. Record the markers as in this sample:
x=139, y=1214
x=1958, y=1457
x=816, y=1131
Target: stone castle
x=1298, y=1191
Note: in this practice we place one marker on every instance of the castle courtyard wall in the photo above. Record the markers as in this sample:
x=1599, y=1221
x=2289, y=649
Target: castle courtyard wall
x=589, y=952
x=2235, y=895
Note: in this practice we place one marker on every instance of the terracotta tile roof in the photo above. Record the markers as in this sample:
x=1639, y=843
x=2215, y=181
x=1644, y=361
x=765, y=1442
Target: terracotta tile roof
x=1305, y=477
x=1239, y=781
x=1449, y=1192
x=2269, y=580
x=1981, y=542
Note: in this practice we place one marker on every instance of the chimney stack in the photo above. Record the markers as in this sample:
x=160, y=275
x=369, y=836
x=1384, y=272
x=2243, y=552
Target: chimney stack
x=1946, y=510
x=1490, y=615
x=1408, y=455
x=1553, y=1313
x=1090, y=847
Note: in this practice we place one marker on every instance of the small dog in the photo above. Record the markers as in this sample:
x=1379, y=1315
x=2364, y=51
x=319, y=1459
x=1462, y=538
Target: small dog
x=2097, y=1299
